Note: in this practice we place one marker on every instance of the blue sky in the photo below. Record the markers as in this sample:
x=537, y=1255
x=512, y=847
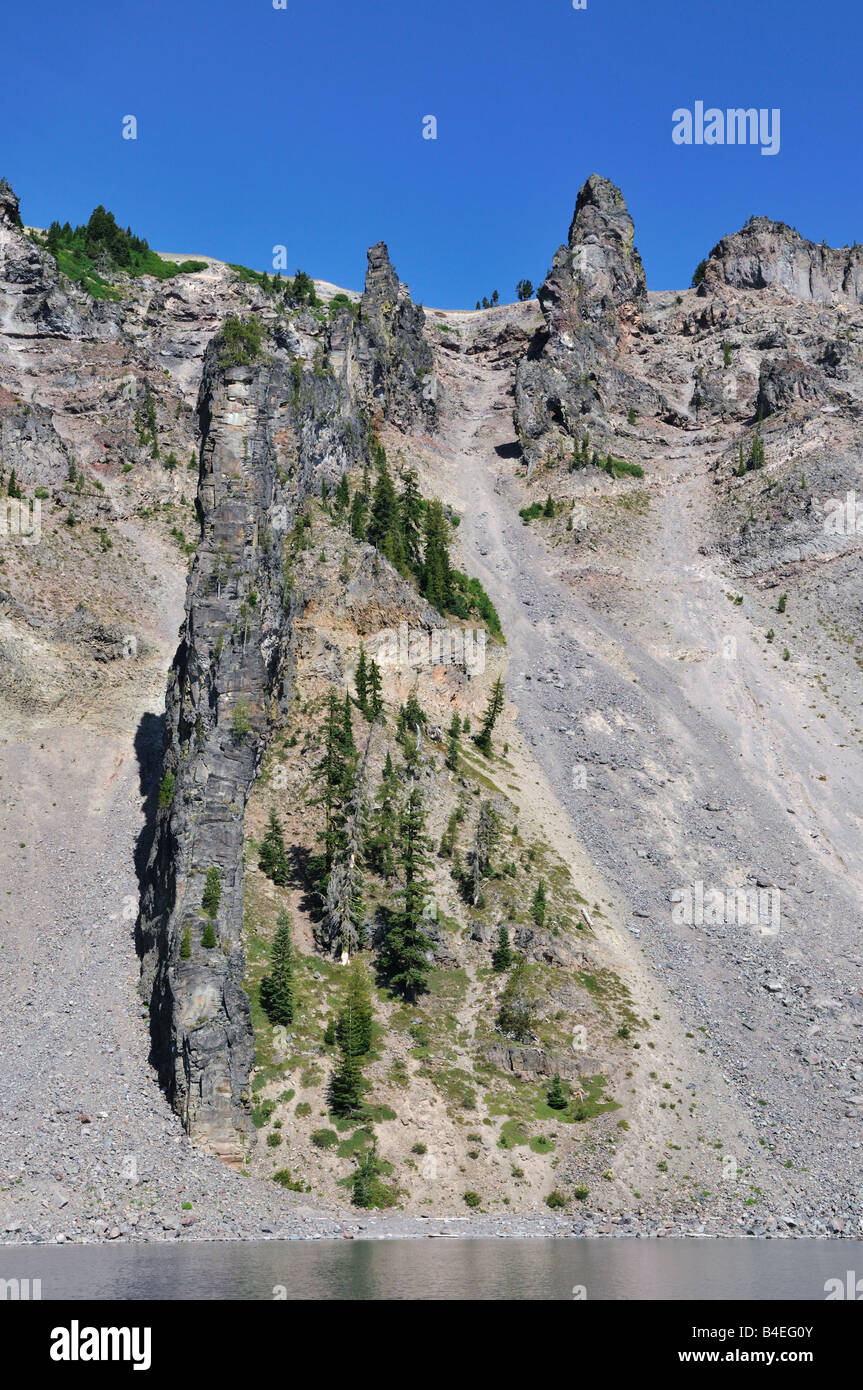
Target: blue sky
x=303, y=127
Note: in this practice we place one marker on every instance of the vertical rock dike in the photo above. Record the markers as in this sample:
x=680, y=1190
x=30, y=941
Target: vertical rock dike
x=271, y=432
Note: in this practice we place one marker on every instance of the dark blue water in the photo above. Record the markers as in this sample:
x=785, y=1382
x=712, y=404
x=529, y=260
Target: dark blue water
x=440, y=1269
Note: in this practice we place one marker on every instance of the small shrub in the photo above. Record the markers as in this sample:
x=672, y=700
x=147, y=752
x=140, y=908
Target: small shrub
x=472, y=1199
x=555, y=1200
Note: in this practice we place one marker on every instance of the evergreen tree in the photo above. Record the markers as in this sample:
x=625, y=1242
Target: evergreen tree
x=365, y=1184
x=501, y=958
x=212, y=893
x=334, y=773
x=436, y=583
x=346, y=1085
x=14, y=488
x=411, y=716
x=548, y=510
x=343, y=924
x=383, y=528
x=556, y=1096
x=495, y=705
x=380, y=843
x=186, y=944
x=407, y=944
x=358, y=521
x=375, y=697
x=354, y=1026
x=349, y=748
x=517, y=1012
x=343, y=495
x=361, y=683
x=539, y=904
x=273, y=860
x=453, y=746
x=208, y=937
x=410, y=518
x=277, y=988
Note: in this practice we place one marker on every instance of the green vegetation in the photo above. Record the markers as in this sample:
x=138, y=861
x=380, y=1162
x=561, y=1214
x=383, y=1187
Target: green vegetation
x=699, y=273
x=241, y=339
x=212, y=893
x=88, y=253
x=277, y=988
x=166, y=791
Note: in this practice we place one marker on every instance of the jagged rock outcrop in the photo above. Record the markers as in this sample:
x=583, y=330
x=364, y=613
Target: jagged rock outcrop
x=272, y=431
x=593, y=296
x=394, y=361
x=766, y=253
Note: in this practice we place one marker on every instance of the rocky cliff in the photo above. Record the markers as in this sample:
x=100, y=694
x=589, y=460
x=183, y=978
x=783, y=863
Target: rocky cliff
x=274, y=428
x=766, y=254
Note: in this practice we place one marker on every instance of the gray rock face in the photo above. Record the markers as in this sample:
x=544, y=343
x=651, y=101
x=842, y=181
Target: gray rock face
x=272, y=432
x=394, y=361
x=766, y=253
x=569, y=380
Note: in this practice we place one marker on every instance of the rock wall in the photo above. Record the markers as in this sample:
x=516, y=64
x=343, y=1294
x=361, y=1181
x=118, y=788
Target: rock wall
x=770, y=254
x=272, y=431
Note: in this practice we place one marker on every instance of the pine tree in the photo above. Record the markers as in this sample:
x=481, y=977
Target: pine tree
x=273, y=859
x=354, y=1025
x=539, y=904
x=407, y=944
x=453, y=746
x=343, y=923
x=343, y=495
x=501, y=958
x=186, y=944
x=383, y=527
x=495, y=705
x=335, y=774
x=358, y=520
x=556, y=1096
x=375, y=697
x=517, y=1011
x=410, y=518
x=361, y=683
x=14, y=489
x=436, y=582
x=380, y=843
x=349, y=748
x=277, y=988
x=411, y=716
x=212, y=893
x=208, y=937
x=365, y=1183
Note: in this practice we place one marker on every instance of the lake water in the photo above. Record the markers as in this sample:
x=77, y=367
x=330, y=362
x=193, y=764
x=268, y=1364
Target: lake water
x=440, y=1269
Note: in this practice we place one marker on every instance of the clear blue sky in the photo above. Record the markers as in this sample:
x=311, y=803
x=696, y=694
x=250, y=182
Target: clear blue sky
x=303, y=127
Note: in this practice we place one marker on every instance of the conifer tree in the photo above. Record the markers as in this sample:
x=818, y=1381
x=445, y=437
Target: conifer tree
x=539, y=904
x=501, y=957
x=407, y=944
x=359, y=518
x=495, y=705
x=383, y=526
x=212, y=892
x=349, y=748
x=277, y=988
x=208, y=936
x=361, y=683
x=273, y=860
x=375, y=696
x=343, y=924
x=346, y=1085
x=556, y=1096
x=410, y=518
x=354, y=1025
x=335, y=774
x=380, y=844
x=453, y=746
x=517, y=1012
x=343, y=495
x=436, y=583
